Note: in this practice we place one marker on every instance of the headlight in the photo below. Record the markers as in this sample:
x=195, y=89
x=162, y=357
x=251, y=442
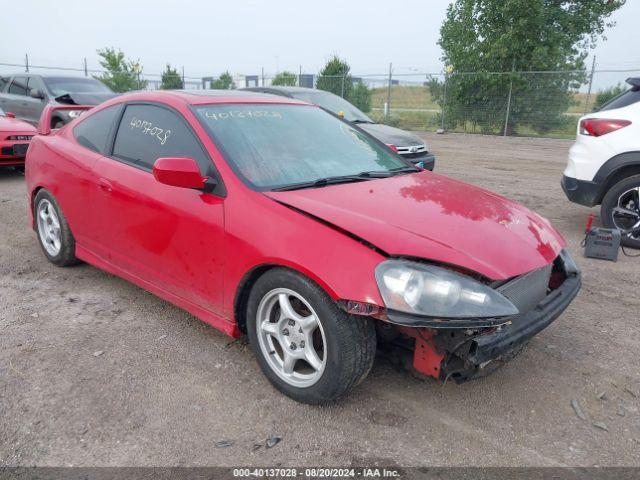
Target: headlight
x=75, y=113
x=436, y=292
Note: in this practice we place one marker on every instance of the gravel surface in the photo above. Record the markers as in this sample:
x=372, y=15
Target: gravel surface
x=96, y=371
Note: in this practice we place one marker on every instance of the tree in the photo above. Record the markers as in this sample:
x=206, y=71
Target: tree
x=121, y=75
x=488, y=36
x=361, y=96
x=607, y=94
x=171, y=79
x=223, y=82
x=335, y=77
x=285, y=79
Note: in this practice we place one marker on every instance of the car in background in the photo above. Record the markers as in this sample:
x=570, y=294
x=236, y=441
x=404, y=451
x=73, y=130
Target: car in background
x=407, y=145
x=269, y=216
x=604, y=163
x=26, y=95
x=15, y=136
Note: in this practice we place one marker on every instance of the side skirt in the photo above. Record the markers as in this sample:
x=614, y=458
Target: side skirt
x=207, y=316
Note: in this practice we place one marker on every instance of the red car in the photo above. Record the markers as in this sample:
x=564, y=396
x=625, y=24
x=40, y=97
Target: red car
x=268, y=216
x=15, y=136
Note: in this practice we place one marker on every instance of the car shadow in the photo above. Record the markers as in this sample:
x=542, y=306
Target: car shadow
x=10, y=172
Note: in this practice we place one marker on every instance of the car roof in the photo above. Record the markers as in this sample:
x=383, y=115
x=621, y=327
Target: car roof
x=43, y=75
x=291, y=90
x=207, y=97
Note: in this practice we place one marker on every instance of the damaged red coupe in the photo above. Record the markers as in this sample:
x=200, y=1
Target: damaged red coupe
x=271, y=217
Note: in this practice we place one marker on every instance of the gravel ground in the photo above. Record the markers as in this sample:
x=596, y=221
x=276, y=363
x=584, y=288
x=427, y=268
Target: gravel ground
x=95, y=371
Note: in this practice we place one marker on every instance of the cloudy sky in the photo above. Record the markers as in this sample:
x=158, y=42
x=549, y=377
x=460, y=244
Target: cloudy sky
x=207, y=37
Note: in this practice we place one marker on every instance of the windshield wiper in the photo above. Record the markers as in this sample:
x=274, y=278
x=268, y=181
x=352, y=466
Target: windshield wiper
x=360, y=177
x=357, y=120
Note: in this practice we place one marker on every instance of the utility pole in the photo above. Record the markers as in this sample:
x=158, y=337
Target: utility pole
x=388, y=105
x=26, y=62
x=86, y=71
x=586, y=101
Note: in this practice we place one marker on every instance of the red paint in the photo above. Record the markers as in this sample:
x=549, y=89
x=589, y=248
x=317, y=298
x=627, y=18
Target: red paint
x=11, y=127
x=178, y=172
x=194, y=249
x=427, y=360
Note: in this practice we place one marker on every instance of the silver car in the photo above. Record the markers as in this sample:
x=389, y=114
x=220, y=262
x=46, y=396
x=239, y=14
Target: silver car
x=25, y=95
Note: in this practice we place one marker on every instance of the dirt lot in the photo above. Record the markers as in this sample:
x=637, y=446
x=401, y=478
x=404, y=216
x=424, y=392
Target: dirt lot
x=167, y=387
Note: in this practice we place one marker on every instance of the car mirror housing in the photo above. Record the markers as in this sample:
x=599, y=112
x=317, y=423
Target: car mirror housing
x=179, y=172
x=36, y=93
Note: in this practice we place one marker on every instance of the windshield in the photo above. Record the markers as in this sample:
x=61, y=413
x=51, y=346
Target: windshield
x=334, y=104
x=63, y=85
x=271, y=146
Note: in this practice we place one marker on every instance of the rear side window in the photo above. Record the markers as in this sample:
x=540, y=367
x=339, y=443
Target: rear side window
x=149, y=132
x=623, y=100
x=92, y=132
x=18, y=86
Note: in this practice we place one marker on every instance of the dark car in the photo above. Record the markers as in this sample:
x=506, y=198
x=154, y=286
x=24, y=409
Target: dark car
x=26, y=95
x=407, y=145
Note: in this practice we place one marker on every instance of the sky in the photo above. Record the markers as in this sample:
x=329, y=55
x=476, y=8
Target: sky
x=243, y=36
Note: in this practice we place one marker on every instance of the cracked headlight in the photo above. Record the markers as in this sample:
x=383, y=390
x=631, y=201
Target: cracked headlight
x=437, y=292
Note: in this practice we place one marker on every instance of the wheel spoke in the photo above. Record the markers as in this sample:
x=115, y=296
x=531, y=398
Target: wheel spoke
x=288, y=363
x=312, y=358
x=43, y=214
x=309, y=324
x=622, y=212
x=54, y=220
x=286, y=309
x=269, y=327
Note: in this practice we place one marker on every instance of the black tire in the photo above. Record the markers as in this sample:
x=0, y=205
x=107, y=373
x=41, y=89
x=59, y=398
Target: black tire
x=350, y=340
x=66, y=256
x=610, y=201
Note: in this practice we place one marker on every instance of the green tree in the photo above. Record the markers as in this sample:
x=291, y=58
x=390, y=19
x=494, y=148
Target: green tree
x=121, y=75
x=361, y=96
x=285, y=79
x=171, y=79
x=223, y=82
x=603, y=96
x=488, y=36
x=335, y=77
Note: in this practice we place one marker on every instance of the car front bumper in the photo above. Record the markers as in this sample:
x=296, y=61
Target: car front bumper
x=582, y=192
x=12, y=153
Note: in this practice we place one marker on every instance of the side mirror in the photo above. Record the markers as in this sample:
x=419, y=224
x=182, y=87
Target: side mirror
x=36, y=93
x=10, y=114
x=179, y=172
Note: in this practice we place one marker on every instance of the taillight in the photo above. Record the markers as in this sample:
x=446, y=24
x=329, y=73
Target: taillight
x=596, y=127
x=392, y=147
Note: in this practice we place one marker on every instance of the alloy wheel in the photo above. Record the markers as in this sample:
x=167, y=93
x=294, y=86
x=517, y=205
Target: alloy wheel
x=49, y=227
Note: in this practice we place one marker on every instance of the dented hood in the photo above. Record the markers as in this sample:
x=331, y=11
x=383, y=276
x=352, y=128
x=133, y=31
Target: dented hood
x=429, y=216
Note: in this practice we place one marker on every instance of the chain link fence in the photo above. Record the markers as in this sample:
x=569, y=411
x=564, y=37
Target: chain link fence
x=518, y=103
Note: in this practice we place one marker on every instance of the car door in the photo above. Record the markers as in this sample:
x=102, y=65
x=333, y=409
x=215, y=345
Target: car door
x=16, y=97
x=34, y=106
x=168, y=236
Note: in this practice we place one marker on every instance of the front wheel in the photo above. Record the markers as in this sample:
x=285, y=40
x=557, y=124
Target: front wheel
x=307, y=347
x=621, y=209
x=54, y=234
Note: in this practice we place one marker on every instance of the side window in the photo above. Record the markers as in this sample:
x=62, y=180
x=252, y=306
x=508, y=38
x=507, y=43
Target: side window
x=4, y=81
x=34, y=83
x=93, y=131
x=18, y=86
x=149, y=132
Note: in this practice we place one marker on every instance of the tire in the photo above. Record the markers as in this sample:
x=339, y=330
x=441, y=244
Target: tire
x=625, y=194
x=345, y=344
x=53, y=225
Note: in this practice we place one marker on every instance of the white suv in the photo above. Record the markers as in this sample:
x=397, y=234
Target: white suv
x=604, y=163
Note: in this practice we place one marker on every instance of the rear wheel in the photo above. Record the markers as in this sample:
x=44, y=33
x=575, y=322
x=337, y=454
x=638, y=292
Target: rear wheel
x=621, y=209
x=307, y=347
x=54, y=234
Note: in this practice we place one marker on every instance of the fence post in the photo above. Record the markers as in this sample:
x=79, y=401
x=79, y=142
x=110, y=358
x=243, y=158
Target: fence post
x=86, y=70
x=262, y=76
x=506, y=120
x=26, y=62
x=387, y=109
x=586, y=101
x=444, y=101
x=300, y=75
x=342, y=92
x=183, y=85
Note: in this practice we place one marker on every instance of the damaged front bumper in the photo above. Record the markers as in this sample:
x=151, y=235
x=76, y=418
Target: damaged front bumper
x=448, y=351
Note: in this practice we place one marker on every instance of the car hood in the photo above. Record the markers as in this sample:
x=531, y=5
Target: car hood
x=387, y=134
x=84, y=98
x=430, y=216
x=13, y=125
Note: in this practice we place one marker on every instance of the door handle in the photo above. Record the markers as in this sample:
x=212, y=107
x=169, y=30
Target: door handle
x=105, y=185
